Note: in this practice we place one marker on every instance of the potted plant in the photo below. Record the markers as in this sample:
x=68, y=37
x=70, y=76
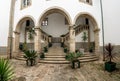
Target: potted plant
x=73, y=58
x=6, y=72
x=42, y=55
x=65, y=50
x=50, y=44
x=30, y=56
x=109, y=65
x=91, y=48
x=45, y=49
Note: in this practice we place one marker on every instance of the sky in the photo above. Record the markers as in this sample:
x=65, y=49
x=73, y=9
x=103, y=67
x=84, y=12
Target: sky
x=4, y=21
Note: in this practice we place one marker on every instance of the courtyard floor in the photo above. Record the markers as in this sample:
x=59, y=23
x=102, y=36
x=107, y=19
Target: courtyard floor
x=90, y=71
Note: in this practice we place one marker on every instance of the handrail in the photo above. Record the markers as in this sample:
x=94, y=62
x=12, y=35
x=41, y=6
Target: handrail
x=78, y=29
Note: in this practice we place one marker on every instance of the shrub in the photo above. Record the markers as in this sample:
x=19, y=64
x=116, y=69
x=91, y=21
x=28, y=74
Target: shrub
x=6, y=72
x=30, y=56
x=45, y=49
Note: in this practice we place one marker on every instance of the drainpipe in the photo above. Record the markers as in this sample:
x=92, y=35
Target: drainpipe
x=102, y=19
x=11, y=21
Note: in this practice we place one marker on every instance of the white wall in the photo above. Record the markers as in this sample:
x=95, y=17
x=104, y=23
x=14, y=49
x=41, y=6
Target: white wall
x=111, y=15
x=111, y=10
x=4, y=21
x=56, y=25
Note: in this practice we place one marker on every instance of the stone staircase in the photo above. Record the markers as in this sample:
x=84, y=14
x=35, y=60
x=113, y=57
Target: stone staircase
x=56, y=55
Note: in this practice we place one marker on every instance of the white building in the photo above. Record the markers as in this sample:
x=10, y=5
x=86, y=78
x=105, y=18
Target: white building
x=55, y=18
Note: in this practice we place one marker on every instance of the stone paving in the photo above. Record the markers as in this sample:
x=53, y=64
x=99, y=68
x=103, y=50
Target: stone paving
x=90, y=71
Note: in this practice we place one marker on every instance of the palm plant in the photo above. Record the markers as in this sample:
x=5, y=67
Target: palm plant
x=109, y=52
x=73, y=58
x=6, y=72
x=109, y=65
x=30, y=56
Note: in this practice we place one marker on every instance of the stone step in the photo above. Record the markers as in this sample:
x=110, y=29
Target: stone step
x=67, y=62
x=62, y=59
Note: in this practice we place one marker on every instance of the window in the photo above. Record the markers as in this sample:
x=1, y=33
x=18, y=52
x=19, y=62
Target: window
x=25, y=3
x=86, y=21
x=86, y=1
x=28, y=23
x=45, y=22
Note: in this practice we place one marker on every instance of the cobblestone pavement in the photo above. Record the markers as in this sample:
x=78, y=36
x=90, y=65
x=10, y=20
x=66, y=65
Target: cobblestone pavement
x=92, y=71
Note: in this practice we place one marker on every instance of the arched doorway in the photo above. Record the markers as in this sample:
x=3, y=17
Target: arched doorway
x=90, y=27
x=55, y=23
x=23, y=38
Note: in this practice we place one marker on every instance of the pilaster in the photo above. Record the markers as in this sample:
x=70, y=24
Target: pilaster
x=37, y=40
x=72, y=39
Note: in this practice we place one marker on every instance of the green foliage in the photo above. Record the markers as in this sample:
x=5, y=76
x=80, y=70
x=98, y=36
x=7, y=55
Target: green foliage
x=42, y=55
x=84, y=36
x=50, y=45
x=109, y=52
x=91, y=48
x=23, y=46
x=31, y=33
x=30, y=56
x=45, y=49
x=73, y=56
x=6, y=72
x=65, y=50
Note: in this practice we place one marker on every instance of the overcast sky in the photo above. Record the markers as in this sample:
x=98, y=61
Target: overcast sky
x=4, y=20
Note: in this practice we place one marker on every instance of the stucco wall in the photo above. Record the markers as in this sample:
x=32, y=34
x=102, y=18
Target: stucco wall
x=111, y=15
x=56, y=25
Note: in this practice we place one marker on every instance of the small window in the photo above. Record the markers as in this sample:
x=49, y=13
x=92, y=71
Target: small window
x=28, y=23
x=86, y=1
x=45, y=22
x=86, y=21
x=25, y=3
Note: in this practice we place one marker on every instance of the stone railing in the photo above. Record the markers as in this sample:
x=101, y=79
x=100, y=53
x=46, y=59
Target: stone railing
x=44, y=36
x=78, y=30
x=81, y=28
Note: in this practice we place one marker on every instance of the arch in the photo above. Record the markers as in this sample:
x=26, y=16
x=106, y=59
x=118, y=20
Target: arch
x=17, y=29
x=95, y=25
x=54, y=9
x=89, y=16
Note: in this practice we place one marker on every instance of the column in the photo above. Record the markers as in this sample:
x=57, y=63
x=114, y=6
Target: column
x=37, y=40
x=71, y=39
x=97, y=47
x=10, y=34
x=16, y=44
x=88, y=38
